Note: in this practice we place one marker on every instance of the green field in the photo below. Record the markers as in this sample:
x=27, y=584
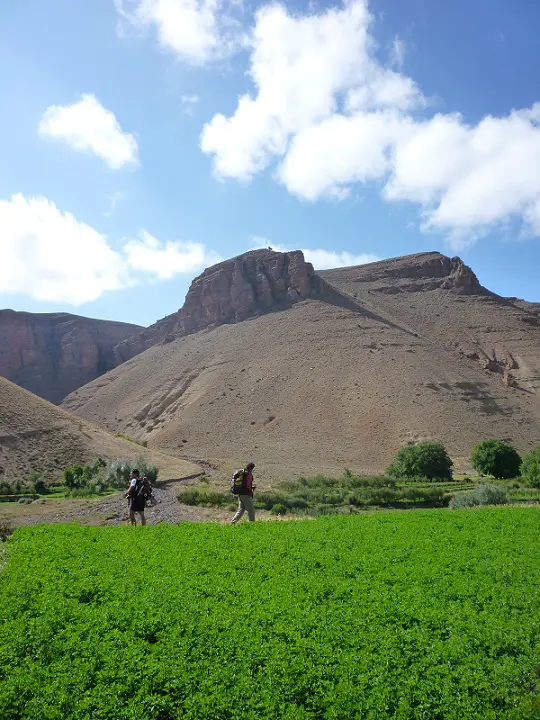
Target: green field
x=425, y=614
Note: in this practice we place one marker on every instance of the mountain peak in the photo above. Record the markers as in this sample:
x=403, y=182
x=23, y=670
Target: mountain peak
x=251, y=284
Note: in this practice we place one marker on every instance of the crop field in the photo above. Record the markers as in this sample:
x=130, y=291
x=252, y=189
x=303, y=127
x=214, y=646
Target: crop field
x=426, y=614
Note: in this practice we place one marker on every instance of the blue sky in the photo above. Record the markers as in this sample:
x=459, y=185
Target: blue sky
x=366, y=130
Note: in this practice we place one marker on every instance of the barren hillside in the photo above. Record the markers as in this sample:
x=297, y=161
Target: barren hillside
x=38, y=436
x=378, y=356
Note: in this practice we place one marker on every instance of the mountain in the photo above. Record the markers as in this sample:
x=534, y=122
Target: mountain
x=52, y=354
x=252, y=284
x=38, y=436
x=338, y=370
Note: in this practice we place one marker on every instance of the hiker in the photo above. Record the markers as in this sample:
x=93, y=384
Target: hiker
x=136, y=498
x=242, y=486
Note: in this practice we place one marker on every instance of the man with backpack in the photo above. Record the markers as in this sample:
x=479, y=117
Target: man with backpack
x=242, y=486
x=136, y=495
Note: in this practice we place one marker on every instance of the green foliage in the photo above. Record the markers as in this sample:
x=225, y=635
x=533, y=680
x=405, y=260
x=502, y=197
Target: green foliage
x=481, y=495
x=322, y=495
x=119, y=471
x=496, y=458
x=6, y=530
x=278, y=509
x=40, y=486
x=194, y=496
x=385, y=616
x=74, y=477
x=425, y=460
x=530, y=468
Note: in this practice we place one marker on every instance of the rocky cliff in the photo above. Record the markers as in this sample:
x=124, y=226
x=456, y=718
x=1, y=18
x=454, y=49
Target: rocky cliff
x=414, y=273
x=52, y=354
x=246, y=286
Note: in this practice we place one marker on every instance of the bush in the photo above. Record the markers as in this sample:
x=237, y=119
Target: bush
x=496, y=458
x=194, y=496
x=40, y=487
x=119, y=472
x=530, y=468
x=74, y=477
x=482, y=495
x=428, y=459
x=278, y=509
x=423, y=494
x=360, y=481
x=5, y=530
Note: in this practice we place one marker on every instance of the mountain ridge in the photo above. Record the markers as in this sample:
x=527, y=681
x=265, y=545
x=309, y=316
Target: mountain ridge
x=52, y=354
x=374, y=357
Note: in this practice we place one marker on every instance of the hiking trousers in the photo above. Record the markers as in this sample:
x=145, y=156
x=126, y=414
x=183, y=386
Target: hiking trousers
x=245, y=504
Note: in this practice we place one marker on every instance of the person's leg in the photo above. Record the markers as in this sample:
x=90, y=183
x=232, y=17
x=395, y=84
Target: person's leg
x=132, y=517
x=248, y=505
x=241, y=510
x=143, y=519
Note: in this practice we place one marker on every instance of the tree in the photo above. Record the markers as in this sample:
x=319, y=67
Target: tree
x=496, y=458
x=427, y=459
x=74, y=477
x=530, y=467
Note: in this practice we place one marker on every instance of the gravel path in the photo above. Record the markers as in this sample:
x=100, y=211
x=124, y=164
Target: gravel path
x=113, y=510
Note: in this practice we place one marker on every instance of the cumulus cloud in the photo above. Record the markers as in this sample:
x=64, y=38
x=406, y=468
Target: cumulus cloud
x=321, y=259
x=51, y=256
x=328, y=115
x=87, y=125
x=196, y=31
x=304, y=69
x=166, y=260
x=470, y=177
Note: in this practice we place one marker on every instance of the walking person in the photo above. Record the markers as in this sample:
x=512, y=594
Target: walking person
x=136, y=498
x=242, y=486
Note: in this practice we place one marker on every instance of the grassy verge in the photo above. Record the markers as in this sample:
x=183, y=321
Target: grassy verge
x=322, y=495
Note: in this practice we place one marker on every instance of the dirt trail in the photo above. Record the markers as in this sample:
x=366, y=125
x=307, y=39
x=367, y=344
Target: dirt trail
x=111, y=510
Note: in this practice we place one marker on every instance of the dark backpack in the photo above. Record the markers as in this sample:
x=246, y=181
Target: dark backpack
x=238, y=483
x=142, y=488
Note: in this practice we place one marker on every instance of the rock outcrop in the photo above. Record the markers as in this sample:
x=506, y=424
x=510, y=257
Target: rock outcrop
x=420, y=272
x=258, y=282
x=52, y=354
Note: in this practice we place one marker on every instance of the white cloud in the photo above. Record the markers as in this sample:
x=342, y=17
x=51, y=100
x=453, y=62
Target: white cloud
x=303, y=69
x=397, y=53
x=114, y=199
x=471, y=177
x=324, y=159
x=51, y=256
x=87, y=125
x=166, y=260
x=321, y=259
x=188, y=103
x=197, y=31
x=325, y=259
x=330, y=115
